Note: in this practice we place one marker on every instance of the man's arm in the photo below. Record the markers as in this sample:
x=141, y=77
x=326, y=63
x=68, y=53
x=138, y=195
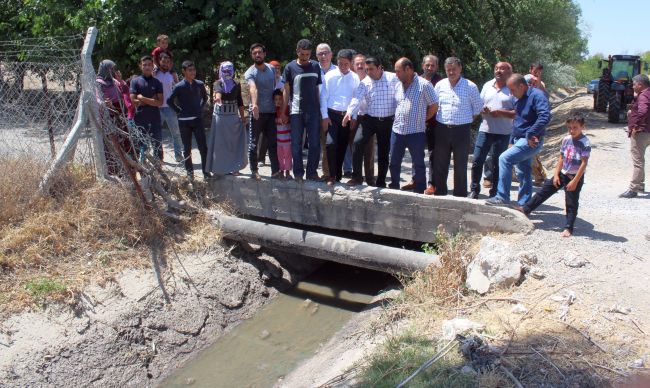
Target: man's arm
x=638, y=120
x=171, y=101
x=156, y=101
x=253, y=91
x=353, y=109
x=204, y=96
x=477, y=102
x=431, y=111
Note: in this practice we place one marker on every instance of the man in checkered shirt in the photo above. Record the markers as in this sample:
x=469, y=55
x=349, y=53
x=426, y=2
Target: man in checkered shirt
x=417, y=102
x=378, y=91
x=459, y=103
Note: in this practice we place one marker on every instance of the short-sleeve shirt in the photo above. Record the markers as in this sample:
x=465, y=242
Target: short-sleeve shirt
x=412, y=103
x=494, y=99
x=458, y=104
x=167, y=81
x=232, y=97
x=303, y=83
x=265, y=83
x=148, y=87
x=573, y=151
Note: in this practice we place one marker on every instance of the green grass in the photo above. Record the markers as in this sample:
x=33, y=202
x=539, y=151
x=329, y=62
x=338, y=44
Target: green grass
x=42, y=288
x=402, y=355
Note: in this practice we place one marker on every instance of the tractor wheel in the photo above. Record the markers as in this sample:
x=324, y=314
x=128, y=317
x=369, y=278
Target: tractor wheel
x=614, y=108
x=596, y=100
x=602, y=96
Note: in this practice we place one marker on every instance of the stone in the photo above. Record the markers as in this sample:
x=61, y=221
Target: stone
x=571, y=259
x=519, y=309
x=536, y=273
x=468, y=370
x=495, y=266
x=450, y=328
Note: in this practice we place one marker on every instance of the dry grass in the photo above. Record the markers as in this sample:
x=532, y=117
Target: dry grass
x=81, y=231
x=591, y=349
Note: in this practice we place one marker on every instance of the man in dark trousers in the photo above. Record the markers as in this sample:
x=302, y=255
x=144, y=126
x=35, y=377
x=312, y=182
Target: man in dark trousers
x=146, y=93
x=188, y=99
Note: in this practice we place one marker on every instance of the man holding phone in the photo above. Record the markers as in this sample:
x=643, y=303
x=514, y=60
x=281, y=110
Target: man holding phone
x=496, y=127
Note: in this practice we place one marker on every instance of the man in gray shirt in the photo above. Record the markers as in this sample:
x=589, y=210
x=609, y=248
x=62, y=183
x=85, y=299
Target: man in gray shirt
x=260, y=78
x=494, y=132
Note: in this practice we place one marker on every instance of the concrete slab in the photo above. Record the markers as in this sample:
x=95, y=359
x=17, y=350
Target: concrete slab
x=364, y=209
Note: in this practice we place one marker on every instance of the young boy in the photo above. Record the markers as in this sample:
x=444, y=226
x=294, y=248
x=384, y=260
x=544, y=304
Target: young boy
x=146, y=93
x=569, y=172
x=162, y=44
x=188, y=99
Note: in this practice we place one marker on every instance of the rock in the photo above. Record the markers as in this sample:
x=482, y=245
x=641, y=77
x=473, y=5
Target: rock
x=264, y=334
x=459, y=326
x=495, y=266
x=519, y=309
x=638, y=363
x=572, y=260
x=536, y=273
x=620, y=310
x=468, y=370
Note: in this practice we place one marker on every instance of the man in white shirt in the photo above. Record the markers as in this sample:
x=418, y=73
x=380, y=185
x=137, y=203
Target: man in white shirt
x=337, y=90
x=459, y=103
x=494, y=132
x=168, y=78
x=324, y=56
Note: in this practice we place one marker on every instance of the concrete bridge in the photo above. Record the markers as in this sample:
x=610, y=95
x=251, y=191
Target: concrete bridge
x=381, y=212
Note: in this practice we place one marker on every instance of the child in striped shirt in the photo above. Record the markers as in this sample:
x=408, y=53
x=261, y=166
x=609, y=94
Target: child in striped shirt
x=284, y=138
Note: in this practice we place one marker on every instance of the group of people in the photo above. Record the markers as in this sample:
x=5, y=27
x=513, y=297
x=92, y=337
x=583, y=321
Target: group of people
x=342, y=113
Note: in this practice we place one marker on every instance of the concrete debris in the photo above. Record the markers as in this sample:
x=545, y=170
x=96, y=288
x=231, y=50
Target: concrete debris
x=496, y=267
x=450, y=328
x=519, y=309
x=536, y=273
x=567, y=297
x=468, y=370
x=638, y=363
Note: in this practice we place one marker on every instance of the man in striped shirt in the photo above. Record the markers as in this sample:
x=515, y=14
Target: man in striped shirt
x=378, y=92
x=416, y=103
x=459, y=103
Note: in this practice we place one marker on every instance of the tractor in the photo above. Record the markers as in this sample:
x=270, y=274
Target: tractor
x=615, y=85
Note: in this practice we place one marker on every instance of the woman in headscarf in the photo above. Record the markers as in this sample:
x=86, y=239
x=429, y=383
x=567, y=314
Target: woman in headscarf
x=228, y=139
x=110, y=90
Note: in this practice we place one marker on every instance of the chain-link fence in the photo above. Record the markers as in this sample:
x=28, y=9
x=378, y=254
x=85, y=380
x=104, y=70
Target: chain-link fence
x=40, y=89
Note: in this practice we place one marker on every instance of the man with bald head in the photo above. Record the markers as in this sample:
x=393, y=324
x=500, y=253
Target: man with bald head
x=417, y=102
x=496, y=127
x=532, y=114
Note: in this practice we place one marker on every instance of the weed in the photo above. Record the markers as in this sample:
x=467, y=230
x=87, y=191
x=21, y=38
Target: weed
x=42, y=288
x=402, y=355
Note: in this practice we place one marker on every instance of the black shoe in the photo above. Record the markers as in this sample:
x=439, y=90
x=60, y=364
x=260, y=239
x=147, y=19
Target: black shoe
x=473, y=195
x=347, y=174
x=314, y=178
x=629, y=194
x=207, y=175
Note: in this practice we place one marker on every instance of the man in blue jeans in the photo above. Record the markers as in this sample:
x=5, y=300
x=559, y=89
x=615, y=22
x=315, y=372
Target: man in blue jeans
x=302, y=81
x=417, y=102
x=168, y=117
x=496, y=127
x=532, y=114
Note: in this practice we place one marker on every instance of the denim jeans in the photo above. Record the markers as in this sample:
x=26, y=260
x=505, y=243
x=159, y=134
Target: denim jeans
x=347, y=161
x=415, y=142
x=168, y=116
x=150, y=134
x=520, y=155
x=484, y=142
x=309, y=122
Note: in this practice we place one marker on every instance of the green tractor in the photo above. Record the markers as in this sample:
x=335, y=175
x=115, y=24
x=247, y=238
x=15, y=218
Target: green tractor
x=615, y=85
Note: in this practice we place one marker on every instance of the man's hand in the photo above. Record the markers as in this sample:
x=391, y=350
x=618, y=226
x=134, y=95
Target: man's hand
x=533, y=141
x=571, y=186
x=256, y=112
x=325, y=124
x=486, y=110
x=346, y=119
x=556, y=181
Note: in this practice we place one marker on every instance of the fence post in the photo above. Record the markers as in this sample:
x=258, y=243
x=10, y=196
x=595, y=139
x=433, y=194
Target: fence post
x=67, y=150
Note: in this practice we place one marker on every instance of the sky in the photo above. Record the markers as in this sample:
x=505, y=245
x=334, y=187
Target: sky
x=616, y=27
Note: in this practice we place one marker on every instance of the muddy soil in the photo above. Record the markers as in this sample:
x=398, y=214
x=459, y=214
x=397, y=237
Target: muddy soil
x=124, y=333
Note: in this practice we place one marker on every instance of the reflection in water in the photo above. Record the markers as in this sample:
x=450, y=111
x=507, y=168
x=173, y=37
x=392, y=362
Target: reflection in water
x=286, y=331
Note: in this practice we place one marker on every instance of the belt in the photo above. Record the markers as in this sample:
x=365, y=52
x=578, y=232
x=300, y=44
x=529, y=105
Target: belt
x=387, y=118
x=453, y=126
x=338, y=112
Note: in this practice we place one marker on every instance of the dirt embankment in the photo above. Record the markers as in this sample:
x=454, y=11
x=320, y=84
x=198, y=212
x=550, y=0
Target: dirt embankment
x=124, y=333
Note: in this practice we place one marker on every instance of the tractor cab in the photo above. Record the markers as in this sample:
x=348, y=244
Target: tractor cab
x=614, y=89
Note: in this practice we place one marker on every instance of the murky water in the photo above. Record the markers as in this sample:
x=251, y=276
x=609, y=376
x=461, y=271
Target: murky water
x=286, y=331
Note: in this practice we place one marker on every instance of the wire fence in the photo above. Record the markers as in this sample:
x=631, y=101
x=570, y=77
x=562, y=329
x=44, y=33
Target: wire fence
x=40, y=89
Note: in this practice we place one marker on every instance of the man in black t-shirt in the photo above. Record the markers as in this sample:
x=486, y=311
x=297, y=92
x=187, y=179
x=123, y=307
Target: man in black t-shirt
x=147, y=96
x=301, y=94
